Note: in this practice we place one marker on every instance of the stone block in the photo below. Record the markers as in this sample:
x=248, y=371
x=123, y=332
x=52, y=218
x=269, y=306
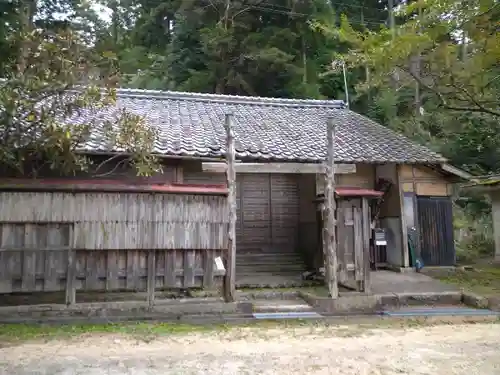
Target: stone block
x=356, y=304
x=474, y=300
x=430, y=298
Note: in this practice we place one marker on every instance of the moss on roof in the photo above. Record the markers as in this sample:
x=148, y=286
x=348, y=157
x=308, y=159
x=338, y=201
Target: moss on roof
x=489, y=181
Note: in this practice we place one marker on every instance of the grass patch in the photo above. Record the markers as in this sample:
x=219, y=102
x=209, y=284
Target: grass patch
x=318, y=291
x=15, y=334
x=23, y=332
x=482, y=280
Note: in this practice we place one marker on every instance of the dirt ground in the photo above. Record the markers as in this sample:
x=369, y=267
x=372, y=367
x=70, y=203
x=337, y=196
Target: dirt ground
x=446, y=349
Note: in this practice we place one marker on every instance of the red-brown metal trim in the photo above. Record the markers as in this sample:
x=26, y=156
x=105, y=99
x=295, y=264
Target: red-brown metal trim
x=357, y=192
x=108, y=186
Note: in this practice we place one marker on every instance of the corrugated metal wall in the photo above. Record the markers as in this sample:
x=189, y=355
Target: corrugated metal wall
x=435, y=225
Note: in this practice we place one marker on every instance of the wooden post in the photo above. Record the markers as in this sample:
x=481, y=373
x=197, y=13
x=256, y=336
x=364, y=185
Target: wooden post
x=366, y=220
x=151, y=283
x=330, y=243
x=229, y=280
x=71, y=272
x=151, y=267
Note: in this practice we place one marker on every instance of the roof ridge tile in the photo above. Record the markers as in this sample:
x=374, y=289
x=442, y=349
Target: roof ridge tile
x=228, y=99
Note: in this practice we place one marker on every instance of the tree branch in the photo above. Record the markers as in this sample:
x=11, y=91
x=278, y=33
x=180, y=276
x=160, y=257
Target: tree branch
x=479, y=108
x=117, y=165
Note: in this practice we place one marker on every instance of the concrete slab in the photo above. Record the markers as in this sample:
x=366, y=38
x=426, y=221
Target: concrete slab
x=383, y=282
x=281, y=306
x=287, y=315
x=440, y=311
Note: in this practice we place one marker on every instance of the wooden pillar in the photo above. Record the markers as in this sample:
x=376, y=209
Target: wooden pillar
x=405, y=255
x=151, y=283
x=229, y=280
x=151, y=266
x=330, y=242
x=366, y=220
x=179, y=174
x=71, y=271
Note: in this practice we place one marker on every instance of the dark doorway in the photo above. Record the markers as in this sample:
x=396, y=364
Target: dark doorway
x=435, y=226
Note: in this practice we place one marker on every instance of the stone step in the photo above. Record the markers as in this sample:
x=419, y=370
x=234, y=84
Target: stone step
x=284, y=262
x=269, y=259
x=271, y=267
x=277, y=271
x=281, y=306
x=257, y=278
x=268, y=255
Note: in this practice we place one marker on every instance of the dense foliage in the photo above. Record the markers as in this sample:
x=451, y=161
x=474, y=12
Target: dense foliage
x=50, y=73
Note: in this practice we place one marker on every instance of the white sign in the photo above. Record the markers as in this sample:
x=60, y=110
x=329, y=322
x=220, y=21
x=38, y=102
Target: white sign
x=219, y=264
x=380, y=239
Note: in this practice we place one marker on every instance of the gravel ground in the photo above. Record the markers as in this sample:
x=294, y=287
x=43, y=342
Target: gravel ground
x=449, y=349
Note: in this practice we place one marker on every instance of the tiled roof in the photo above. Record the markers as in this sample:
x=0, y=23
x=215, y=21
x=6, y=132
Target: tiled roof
x=265, y=128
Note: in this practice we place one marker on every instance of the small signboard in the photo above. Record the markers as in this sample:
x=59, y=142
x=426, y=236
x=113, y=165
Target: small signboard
x=380, y=237
x=219, y=264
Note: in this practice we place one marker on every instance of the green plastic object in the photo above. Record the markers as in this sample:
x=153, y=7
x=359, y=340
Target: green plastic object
x=414, y=260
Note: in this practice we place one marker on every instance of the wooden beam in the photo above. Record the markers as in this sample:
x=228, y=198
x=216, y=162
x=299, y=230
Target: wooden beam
x=151, y=277
x=456, y=171
x=37, y=249
x=366, y=222
x=405, y=256
x=359, y=272
x=299, y=168
x=330, y=244
x=229, y=279
x=71, y=272
x=179, y=174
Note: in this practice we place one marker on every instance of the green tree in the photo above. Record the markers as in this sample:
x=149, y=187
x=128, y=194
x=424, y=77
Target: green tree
x=458, y=45
x=249, y=47
x=9, y=20
x=57, y=80
x=441, y=59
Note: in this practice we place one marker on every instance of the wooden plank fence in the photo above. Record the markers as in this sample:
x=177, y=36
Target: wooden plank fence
x=109, y=241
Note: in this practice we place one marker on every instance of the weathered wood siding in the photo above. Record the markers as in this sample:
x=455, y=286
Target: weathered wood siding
x=308, y=222
x=353, y=236
x=391, y=216
x=363, y=178
x=113, y=234
x=424, y=181
x=267, y=209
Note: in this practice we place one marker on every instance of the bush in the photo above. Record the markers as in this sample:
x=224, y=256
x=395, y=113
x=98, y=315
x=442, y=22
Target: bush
x=473, y=236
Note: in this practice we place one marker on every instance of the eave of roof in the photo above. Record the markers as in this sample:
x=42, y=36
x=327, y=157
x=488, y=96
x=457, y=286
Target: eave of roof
x=483, y=184
x=456, y=172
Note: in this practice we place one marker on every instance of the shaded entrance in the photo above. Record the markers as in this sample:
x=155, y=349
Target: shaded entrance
x=435, y=226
